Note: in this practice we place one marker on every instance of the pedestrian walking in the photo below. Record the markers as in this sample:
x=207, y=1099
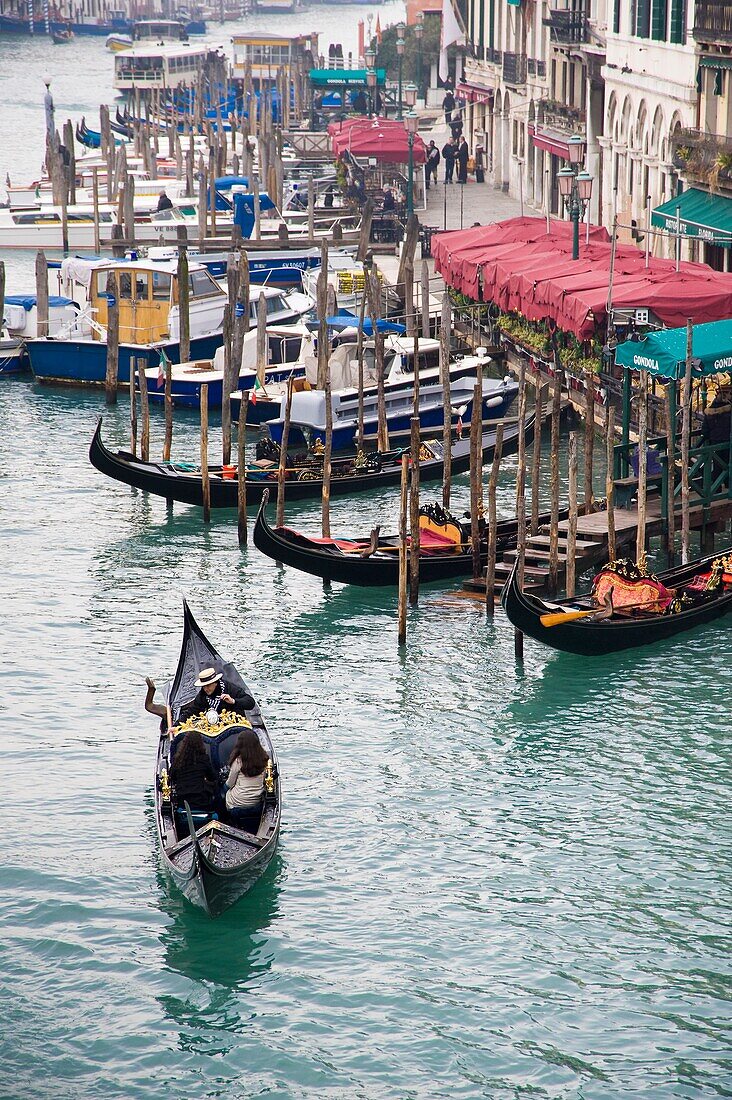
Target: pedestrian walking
x=448, y=105
x=462, y=157
x=448, y=155
x=431, y=165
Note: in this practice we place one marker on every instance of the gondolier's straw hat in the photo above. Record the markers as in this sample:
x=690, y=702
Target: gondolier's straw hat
x=207, y=676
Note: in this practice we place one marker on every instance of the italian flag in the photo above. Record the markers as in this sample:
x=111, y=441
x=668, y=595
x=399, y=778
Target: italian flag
x=258, y=391
x=162, y=368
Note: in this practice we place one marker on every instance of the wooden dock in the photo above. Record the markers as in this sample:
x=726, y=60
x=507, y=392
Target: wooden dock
x=592, y=541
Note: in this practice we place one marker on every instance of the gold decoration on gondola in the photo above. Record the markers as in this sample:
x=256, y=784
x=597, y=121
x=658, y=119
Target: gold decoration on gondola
x=165, y=792
x=361, y=462
x=269, y=781
x=227, y=719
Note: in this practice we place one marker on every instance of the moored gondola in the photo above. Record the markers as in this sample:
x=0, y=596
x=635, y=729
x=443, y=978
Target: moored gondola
x=445, y=550
x=211, y=859
x=304, y=481
x=666, y=604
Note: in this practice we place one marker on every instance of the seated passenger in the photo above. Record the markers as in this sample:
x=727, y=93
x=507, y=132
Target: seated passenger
x=192, y=775
x=215, y=694
x=245, y=784
x=164, y=202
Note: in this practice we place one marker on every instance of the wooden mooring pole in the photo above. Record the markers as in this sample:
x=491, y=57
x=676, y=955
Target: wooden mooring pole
x=554, y=490
x=685, y=447
x=144, y=411
x=536, y=459
x=589, y=439
x=282, y=468
x=403, y=566
x=445, y=323
x=110, y=381
x=490, y=574
x=640, y=550
x=610, y=482
x=241, y=471
x=414, y=512
x=205, y=479
x=572, y=520
x=671, y=470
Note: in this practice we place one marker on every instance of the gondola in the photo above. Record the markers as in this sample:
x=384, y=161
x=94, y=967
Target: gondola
x=594, y=635
x=212, y=862
x=183, y=484
x=444, y=550
x=59, y=38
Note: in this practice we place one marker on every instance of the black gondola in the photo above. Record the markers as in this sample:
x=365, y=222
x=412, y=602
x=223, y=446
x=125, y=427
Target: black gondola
x=304, y=482
x=343, y=560
x=595, y=637
x=212, y=861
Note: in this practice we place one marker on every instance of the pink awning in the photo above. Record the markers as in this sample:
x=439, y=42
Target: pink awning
x=474, y=93
x=552, y=141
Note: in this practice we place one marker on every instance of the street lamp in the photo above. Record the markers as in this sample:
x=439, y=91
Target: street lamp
x=401, y=30
x=411, y=123
x=410, y=95
x=418, y=32
x=575, y=188
x=371, y=81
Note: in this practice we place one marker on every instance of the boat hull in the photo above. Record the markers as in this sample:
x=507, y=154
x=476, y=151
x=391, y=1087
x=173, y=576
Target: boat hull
x=398, y=423
x=186, y=487
x=599, y=638
x=84, y=362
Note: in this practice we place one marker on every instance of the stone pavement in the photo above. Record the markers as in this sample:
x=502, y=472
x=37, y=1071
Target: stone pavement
x=458, y=206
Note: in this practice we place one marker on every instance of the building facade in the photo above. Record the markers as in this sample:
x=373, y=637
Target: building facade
x=646, y=83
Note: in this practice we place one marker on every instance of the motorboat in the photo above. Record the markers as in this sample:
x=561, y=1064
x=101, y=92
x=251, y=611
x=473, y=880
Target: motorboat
x=149, y=320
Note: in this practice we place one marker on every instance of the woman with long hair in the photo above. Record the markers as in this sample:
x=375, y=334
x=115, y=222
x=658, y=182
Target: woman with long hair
x=192, y=774
x=245, y=783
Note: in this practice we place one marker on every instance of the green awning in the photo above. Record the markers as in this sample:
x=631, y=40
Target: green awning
x=708, y=62
x=664, y=353
x=708, y=217
x=344, y=78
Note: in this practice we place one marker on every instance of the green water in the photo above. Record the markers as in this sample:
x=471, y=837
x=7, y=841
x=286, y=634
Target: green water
x=490, y=883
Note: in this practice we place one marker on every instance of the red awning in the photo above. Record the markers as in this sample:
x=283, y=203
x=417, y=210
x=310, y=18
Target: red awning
x=553, y=141
x=474, y=93
x=387, y=142
x=524, y=269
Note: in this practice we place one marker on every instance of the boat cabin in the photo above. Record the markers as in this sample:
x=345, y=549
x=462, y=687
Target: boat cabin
x=147, y=296
x=268, y=53
x=159, y=30
x=146, y=67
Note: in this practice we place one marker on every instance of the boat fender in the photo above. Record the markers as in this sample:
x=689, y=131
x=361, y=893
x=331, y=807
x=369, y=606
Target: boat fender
x=229, y=473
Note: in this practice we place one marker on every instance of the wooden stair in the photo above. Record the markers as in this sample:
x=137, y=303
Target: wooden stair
x=590, y=548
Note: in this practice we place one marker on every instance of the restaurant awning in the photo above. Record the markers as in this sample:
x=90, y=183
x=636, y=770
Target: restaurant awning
x=664, y=353
x=474, y=93
x=523, y=268
x=552, y=141
x=343, y=78
x=696, y=213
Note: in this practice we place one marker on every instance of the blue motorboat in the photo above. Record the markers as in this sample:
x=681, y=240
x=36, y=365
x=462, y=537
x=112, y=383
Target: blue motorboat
x=149, y=322
x=307, y=421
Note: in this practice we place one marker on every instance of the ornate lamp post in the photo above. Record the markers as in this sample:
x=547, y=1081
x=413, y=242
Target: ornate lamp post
x=411, y=121
x=575, y=188
x=418, y=32
x=370, y=59
x=401, y=30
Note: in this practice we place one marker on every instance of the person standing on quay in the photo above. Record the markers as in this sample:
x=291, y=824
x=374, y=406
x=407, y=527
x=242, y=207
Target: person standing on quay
x=448, y=105
x=431, y=164
x=448, y=155
x=462, y=156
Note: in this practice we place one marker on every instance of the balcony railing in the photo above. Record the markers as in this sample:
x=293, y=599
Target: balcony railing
x=713, y=21
x=567, y=27
x=494, y=56
x=514, y=68
x=702, y=155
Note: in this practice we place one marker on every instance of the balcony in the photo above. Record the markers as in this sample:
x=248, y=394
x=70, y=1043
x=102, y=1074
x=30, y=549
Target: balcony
x=514, y=68
x=713, y=21
x=704, y=156
x=535, y=67
x=567, y=28
x=561, y=115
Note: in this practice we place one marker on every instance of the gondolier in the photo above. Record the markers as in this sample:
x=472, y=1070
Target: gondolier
x=215, y=694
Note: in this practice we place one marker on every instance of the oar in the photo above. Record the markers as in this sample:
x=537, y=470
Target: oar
x=556, y=617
